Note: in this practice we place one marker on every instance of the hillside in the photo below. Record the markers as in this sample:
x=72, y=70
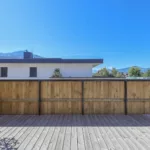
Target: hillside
x=125, y=70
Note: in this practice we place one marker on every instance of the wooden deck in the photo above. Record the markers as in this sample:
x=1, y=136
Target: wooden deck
x=75, y=132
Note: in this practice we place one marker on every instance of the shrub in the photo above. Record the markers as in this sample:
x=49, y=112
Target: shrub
x=56, y=73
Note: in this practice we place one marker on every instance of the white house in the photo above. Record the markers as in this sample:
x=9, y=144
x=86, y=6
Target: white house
x=43, y=68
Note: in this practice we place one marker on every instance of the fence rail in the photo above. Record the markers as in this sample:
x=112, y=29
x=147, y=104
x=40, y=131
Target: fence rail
x=75, y=96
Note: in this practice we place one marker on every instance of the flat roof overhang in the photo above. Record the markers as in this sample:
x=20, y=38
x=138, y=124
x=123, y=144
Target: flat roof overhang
x=52, y=60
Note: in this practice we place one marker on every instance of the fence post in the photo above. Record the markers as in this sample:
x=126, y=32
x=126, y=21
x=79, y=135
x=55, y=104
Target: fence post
x=39, y=103
x=125, y=98
x=82, y=97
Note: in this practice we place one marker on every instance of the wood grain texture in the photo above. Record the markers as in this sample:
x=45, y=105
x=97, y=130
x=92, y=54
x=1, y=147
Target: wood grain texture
x=104, y=97
x=19, y=97
x=75, y=132
x=61, y=97
x=103, y=89
x=65, y=97
x=138, y=94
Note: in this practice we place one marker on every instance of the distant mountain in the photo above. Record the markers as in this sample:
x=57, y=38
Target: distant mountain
x=125, y=70
x=15, y=55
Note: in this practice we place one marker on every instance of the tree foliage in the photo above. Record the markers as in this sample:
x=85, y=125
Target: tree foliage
x=134, y=72
x=119, y=75
x=114, y=72
x=104, y=72
x=147, y=73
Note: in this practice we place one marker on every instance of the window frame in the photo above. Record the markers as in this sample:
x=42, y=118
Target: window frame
x=4, y=74
x=32, y=74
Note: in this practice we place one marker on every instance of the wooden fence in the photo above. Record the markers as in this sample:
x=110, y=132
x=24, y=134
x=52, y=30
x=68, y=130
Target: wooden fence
x=19, y=97
x=94, y=96
x=103, y=97
x=138, y=95
x=61, y=97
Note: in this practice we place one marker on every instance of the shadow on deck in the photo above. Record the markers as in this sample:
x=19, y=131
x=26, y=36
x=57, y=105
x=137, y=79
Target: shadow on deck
x=8, y=144
x=74, y=120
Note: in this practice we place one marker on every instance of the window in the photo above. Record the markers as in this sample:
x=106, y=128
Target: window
x=4, y=71
x=33, y=72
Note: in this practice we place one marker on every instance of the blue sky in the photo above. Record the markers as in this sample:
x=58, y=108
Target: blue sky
x=116, y=30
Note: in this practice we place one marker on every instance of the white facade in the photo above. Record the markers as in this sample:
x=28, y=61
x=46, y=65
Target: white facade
x=45, y=70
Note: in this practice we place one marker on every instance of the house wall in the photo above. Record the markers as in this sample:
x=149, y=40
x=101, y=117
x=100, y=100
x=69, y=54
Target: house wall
x=44, y=71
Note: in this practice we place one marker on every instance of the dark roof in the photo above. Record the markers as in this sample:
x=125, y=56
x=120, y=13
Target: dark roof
x=51, y=60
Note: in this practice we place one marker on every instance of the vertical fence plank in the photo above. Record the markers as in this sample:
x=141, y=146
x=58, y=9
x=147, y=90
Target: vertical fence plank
x=39, y=102
x=125, y=98
x=82, y=104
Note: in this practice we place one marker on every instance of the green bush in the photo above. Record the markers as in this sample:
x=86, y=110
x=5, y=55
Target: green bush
x=56, y=73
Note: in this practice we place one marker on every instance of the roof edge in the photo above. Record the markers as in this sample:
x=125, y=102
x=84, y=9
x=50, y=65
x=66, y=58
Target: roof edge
x=51, y=60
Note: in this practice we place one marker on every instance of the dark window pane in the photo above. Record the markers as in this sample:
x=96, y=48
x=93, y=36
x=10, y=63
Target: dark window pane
x=4, y=72
x=33, y=72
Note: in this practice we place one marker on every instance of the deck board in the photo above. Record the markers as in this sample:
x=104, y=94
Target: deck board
x=50, y=132
x=37, y=135
x=41, y=138
x=26, y=144
x=74, y=142
x=75, y=132
x=55, y=136
x=67, y=137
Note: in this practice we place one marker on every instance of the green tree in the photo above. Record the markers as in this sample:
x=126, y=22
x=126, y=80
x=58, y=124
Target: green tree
x=119, y=75
x=114, y=72
x=134, y=72
x=103, y=72
x=147, y=73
